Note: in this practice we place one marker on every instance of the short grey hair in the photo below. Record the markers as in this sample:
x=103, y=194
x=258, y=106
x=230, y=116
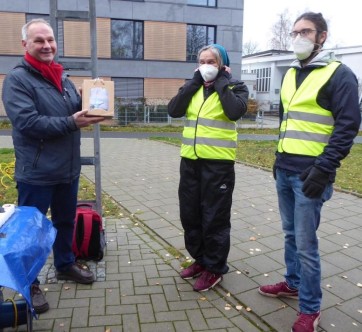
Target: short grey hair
x=214, y=51
x=25, y=28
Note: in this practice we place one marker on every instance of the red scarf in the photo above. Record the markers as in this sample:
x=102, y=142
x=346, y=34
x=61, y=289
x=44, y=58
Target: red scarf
x=52, y=72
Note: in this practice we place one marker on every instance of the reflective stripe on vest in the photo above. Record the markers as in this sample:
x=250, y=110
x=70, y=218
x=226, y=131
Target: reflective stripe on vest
x=306, y=126
x=208, y=133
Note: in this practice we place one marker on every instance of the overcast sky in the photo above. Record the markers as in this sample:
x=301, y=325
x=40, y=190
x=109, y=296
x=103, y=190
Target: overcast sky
x=343, y=17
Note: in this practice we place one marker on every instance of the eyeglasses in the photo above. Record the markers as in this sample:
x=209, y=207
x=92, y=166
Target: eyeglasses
x=302, y=33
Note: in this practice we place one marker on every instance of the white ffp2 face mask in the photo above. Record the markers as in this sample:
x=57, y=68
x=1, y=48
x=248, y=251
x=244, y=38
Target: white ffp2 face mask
x=303, y=47
x=208, y=72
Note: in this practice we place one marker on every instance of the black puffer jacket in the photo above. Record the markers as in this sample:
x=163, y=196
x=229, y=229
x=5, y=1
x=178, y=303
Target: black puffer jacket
x=45, y=136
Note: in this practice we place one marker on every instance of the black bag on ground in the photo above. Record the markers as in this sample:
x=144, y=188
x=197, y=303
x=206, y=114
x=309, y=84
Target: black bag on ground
x=88, y=237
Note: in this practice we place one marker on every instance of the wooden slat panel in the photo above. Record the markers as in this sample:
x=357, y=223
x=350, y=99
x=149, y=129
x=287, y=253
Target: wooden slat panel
x=10, y=36
x=165, y=41
x=104, y=38
x=77, y=38
x=162, y=88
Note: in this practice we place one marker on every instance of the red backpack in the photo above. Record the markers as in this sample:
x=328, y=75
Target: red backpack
x=88, y=237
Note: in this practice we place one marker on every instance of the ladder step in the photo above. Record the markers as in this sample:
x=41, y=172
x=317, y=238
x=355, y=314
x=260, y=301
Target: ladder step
x=87, y=160
x=75, y=65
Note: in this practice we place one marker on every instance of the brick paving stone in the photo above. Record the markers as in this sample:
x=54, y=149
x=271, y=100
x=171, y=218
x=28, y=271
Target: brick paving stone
x=138, y=286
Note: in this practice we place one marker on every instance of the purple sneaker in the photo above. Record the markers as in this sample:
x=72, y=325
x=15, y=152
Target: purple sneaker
x=193, y=271
x=206, y=281
x=280, y=289
x=306, y=322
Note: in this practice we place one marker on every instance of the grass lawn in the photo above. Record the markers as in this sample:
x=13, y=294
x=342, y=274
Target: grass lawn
x=253, y=153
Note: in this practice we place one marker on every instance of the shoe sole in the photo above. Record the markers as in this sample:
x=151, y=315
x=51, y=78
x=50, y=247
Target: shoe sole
x=41, y=309
x=191, y=277
x=78, y=281
x=293, y=297
x=212, y=286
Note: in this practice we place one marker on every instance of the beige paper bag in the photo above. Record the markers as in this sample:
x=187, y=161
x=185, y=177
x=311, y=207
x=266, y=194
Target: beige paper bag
x=98, y=97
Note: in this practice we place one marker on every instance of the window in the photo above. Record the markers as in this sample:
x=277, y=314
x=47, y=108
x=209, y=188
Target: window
x=205, y=3
x=263, y=76
x=127, y=39
x=198, y=36
x=128, y=88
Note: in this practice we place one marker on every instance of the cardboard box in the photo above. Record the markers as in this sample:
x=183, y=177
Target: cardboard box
x=98, y=97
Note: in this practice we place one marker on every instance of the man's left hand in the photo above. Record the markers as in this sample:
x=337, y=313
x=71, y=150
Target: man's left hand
x=81, y=120
x=315, y=181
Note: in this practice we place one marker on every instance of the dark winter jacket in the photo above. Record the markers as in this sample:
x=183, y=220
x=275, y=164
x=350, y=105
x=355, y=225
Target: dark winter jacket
x=45, y=136
x=340, y=97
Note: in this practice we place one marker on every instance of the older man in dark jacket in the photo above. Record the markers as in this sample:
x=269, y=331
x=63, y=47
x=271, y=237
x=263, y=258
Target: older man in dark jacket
x=45, y=111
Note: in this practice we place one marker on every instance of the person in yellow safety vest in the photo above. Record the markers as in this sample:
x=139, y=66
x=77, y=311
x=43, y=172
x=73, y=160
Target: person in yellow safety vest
x=319, y=119
x=212, y=101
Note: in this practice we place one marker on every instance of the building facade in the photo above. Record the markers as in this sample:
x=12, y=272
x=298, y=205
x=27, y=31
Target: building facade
x=147, y=47
x=264, y=72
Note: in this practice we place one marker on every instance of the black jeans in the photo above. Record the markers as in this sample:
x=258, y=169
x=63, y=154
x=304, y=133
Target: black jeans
x=205, y=195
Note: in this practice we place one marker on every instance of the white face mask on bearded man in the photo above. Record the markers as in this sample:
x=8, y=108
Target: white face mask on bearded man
x=303, y=47
x=208, y=72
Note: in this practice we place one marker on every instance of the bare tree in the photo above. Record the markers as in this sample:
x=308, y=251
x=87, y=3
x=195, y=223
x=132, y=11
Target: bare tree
x=250, y=47
x=280, y=30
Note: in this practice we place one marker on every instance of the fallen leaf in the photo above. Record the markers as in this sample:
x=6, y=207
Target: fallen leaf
x=228, y=294
x=248, y=309
x=66, y=287
x=238, y=272
x=252, y=238
x=359, y=285
x=266, y=274
x=328, y=286
x=202, y=299
x=239, y=307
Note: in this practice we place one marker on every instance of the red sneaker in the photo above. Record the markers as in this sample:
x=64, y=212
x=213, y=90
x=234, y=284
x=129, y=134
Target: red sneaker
x=206, y=281
x=280, y=289
x=193, y=271
x=306, y=322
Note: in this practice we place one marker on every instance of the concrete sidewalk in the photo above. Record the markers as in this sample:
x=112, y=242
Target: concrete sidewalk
x=138, y=287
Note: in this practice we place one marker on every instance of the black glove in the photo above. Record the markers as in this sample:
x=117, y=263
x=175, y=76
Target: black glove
x=315, y=181
x=274, y=171
x=223, y=73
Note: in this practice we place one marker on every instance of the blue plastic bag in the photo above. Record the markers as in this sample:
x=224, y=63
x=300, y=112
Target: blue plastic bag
x=26, y=241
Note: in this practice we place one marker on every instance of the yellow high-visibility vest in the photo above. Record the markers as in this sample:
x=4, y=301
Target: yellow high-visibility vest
x=306, y=126
x=208, y=132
